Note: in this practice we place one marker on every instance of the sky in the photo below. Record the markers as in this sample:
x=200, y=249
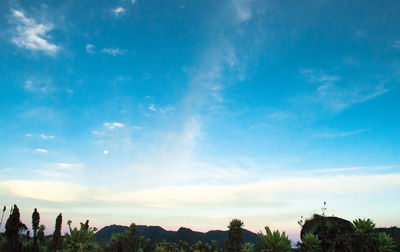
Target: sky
x=192, y=113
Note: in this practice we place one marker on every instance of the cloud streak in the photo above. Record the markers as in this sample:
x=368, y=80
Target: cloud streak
x=31, y=35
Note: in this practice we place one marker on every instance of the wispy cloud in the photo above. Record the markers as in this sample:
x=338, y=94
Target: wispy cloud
x=114, y=51
x=31, y=35
x=333, y=170
x=311, y=76
x=68, y=166
x=243, y=9
x=118, y=11
x=43, y=136
x=396, y=45
x=335, y=97
x=41, y=150
x=90, y=48
x=38, y=85
x=340, y=134
x=113, y=125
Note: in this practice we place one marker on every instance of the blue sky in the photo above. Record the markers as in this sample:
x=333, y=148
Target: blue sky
x=191, y=113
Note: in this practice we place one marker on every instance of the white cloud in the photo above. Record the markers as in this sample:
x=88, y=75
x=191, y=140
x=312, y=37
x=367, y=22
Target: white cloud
x=68, y=166
x=105, y=152
x=113, y=125
x=28, y=135
x=340, y=134
x=41, y=150
x=243, y=9
x=265, y=192
x=46, y=137
x=119, y=10
x=41, y=86
x=313, y=77
x=152, y=107
x=347, y=169
x=31, y=35
x=114, y=51
x=90, y=48
x=136, y=127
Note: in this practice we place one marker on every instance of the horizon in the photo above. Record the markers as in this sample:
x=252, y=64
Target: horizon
x=192, y=113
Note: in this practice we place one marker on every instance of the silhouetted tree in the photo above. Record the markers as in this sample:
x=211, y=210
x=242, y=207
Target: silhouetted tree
x=57, y=242
x=40, y=234
x=35, y=227
x=13, y=226
x=2, y=215
x=235, y=238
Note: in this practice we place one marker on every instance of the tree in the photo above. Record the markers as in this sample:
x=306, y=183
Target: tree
x=13, y=227
x=2, y=215
x=235, y=238
x=385, y=242
x=56, y=239
x=40, y=234
x=364, y=235
x=274, y=241
x=310, y=243
x=35, y=227
x=81, y=240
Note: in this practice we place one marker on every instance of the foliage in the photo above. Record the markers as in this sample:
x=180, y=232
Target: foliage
x=364, y=239
x=81, y=240
x=35, y=227
x=310, y=243
x=274, y=241
x=40, y=234
x=124, y=241
x=235, y=237
x=385, y=242
x=335, y=234
x=13, y=227
x=56, y=243
x=248, y=247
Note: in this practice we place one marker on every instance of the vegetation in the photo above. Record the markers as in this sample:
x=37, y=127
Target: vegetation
x=235, y=237
x=274, y=241
x=310, y=243
x=320, y=233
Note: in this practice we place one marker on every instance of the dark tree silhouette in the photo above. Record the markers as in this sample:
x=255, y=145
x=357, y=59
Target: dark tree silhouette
x=13, y=226
x=2, y=215
x=235, y=237
x=35, y=227
x=40, y=234
x=57, y=242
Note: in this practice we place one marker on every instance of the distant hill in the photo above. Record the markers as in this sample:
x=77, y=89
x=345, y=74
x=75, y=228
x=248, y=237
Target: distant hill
x=156, y=233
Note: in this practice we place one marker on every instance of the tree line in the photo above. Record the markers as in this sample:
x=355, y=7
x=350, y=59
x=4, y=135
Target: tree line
x=319, y=233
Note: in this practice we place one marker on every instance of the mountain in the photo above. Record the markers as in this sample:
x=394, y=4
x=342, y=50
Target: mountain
x=156, y=233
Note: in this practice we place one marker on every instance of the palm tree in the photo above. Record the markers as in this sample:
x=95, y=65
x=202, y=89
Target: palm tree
x=274, y=241
x=235, y=239
x=13, y=227
x=310, y=242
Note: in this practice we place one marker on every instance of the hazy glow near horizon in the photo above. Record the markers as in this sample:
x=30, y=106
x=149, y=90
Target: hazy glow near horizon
x=191, y=113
